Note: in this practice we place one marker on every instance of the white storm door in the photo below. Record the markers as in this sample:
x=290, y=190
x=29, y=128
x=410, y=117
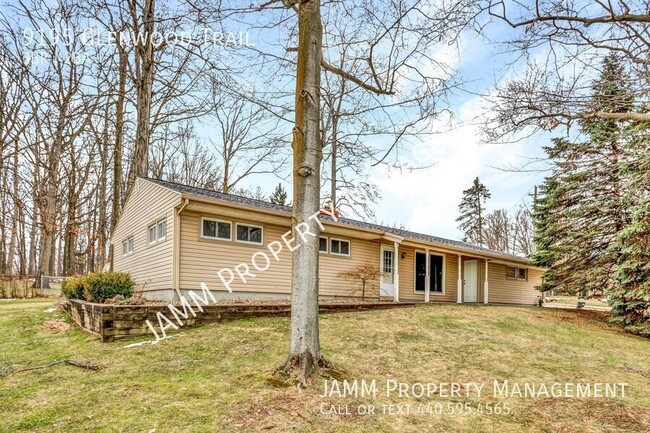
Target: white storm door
x=470, y=289
x=387, y=269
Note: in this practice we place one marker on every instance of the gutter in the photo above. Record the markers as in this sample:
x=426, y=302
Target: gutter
x=176, y=248
x=380, y=233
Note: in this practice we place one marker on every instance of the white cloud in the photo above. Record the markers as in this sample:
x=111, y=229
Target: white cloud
x=427, y=200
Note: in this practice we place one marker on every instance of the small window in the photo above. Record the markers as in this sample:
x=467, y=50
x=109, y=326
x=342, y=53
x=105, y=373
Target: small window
x=513, y=273
x=249, y=234
x=322, y=245
x=340, y=247
x=215, y=229
x=162, y=230
x=152, y=233
x=522, y=273
x=127, y=246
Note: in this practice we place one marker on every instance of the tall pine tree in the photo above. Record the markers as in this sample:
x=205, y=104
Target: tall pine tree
x=582, y=208
x=279, y=196
x=630, y=300
x=472, y=213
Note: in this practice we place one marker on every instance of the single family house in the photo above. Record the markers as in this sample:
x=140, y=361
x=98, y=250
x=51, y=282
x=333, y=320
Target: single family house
x=173, y=237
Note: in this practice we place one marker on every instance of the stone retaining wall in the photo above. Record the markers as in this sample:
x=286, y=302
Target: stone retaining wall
x=116, y=322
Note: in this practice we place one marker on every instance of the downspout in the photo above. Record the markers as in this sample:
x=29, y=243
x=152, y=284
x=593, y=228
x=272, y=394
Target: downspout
x=459, y=292
x=176, y=252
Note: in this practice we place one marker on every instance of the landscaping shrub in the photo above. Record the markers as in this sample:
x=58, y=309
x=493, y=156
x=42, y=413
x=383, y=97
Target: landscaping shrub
x=73, y=287
x=99, y=286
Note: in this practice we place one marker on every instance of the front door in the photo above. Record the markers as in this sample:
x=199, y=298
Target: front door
x=435, y=272
x=387, y=269
x=470, y=289
x=420, y=271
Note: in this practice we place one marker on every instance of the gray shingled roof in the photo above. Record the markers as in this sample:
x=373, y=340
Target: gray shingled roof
x=237, y=199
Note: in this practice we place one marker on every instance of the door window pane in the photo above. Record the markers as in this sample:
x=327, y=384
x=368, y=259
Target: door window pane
x=420, y=271
x=435, y=274
x=388, y=266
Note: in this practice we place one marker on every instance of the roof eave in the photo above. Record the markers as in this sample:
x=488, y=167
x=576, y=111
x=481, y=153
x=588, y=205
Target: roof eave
x=381, y=234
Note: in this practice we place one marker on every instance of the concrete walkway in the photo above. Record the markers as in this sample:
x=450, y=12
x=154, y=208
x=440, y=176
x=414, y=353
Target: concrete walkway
x=575, y=307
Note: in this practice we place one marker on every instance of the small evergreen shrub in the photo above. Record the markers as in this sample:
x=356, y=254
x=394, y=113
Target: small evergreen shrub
x=99, y=286
x=73, y=287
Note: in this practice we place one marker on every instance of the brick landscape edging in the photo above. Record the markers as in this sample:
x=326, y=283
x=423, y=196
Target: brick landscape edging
x=117, y=322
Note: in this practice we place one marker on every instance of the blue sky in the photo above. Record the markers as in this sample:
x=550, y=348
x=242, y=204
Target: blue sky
x=426, y=200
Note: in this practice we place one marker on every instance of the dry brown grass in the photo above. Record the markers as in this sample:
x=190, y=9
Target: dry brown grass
x=220, y=378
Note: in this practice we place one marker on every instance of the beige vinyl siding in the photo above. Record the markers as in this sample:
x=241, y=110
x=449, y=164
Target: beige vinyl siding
x=149, y=265
x=451, y=280
x=407, y=275
x=201, y=259
x=330, y=266
x=502, y=290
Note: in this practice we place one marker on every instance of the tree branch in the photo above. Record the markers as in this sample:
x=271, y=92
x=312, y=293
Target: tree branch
x=333, y=69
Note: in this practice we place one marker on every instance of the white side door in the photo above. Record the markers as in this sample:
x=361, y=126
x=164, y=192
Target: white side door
x=470, y=289
x=387, y=271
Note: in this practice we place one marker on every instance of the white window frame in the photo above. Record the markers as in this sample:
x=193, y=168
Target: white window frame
x=340, y=254
x=327, y=245
x=516, y=273
x=261, y=242
x=126, y=242
x=153, y=226
x=215, y=238
x=444, y=271
x=158, y=238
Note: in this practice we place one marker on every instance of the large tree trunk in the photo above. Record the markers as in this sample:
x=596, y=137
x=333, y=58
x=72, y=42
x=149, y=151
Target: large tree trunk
x=144, y=53
x=51, y=206
x=119, y=133
x=304, y=350
x=16, y=214
x=22, y=250
x=333, y=169
x=49, y=214
x=71, y=227
x=33, y=240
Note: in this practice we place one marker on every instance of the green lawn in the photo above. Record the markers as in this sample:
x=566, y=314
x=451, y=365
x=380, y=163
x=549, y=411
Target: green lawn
x=218, y=378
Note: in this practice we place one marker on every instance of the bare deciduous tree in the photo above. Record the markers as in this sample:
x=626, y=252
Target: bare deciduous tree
x=567, y=41
x=363, y=274
x=249, y=139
